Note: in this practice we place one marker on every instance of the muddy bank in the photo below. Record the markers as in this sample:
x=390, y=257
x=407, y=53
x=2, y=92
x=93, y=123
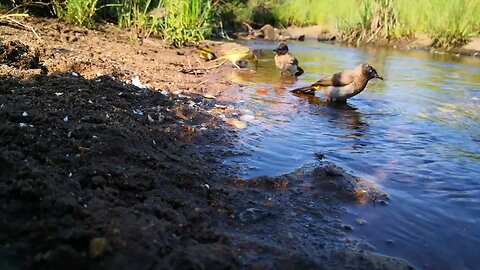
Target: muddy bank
x=97, y=173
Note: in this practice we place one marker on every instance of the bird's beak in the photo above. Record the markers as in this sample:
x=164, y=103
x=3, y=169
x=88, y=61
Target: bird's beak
x=379, y=77
x=275, y=50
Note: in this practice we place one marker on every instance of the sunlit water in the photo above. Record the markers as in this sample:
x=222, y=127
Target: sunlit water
x=417, y=134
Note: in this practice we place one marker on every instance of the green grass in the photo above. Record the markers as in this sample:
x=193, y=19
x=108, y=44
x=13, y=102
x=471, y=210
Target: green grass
x=186, y=21
x=310, y=12
x=448, y=22
x=142, y=17
x=81, y=12
x=181, y=22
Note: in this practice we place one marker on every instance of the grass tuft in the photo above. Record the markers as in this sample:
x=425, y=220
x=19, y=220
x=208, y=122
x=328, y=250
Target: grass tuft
x=186, y=21
x=81, y=12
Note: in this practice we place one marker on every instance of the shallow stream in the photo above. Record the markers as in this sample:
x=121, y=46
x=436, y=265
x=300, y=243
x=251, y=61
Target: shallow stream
x=416, y=134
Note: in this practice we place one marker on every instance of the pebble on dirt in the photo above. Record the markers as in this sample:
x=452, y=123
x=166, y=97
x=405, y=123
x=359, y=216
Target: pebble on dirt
x=97, y=247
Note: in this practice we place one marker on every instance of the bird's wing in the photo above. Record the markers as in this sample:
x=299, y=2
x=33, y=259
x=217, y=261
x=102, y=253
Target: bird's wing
x=337, y=80
x=294, y=61
x=237, y=54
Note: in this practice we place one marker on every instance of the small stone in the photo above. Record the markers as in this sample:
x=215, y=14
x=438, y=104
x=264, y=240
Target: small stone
x=333, y=170
x=382, y=202
x=247, y=117
x=219, y=106
x=361, y=222
x=252, y=215
x=137, y=112
x=236, y=123
x=390, y=242
x=347, y=227
x=24, y=114
x=319, y=155
x=150, y=118
x=98, y=246
x=208, y=96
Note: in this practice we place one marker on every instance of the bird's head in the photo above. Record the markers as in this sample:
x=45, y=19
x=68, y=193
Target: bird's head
x=370, y=72
x=281, y=49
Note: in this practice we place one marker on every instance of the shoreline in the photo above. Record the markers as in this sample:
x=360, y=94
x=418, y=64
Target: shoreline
x=420, y=42
x=111, y=158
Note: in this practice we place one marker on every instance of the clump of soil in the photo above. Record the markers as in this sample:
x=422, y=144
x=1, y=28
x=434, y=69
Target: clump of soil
x=16, y=54
x=83, y=159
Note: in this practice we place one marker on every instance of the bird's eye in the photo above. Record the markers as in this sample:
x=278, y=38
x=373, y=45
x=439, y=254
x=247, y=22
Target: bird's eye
x=370, y=70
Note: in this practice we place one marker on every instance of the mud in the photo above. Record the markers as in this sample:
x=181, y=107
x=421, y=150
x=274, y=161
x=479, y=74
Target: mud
x=18, y=55
x=97, y=173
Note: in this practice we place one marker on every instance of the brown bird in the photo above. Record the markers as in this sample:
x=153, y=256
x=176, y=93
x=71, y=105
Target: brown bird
x=343, y=85
x=286, y=62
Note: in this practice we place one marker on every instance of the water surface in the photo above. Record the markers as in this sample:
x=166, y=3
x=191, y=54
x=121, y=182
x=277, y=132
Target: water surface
x=416, y=134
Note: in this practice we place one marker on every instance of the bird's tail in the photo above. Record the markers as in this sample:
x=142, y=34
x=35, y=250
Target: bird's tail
x=299, y=71
x=309, y=90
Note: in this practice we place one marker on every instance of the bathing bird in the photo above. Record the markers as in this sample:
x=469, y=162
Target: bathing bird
x=239, y=57
x=286, y=62
x=343, y=85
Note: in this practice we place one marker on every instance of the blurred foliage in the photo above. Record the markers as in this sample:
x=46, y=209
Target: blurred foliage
x=449, y=22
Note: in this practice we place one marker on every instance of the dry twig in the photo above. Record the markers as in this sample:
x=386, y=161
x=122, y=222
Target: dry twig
x=9, y=18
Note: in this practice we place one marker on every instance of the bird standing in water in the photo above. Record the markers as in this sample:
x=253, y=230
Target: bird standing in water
x=240, y=57
x=343, y=85
x=286, y=62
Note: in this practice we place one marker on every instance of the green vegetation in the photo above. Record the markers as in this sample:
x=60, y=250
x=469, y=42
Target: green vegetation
x=448, y=22
x=81, y=12
x=140, y=17
x=181, y=22
x=186, y=21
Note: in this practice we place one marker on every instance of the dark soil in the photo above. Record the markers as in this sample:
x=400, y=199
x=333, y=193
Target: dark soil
x=96, y=173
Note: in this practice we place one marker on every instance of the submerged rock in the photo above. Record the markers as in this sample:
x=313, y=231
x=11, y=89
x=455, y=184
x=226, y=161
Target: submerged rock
x=370, y=260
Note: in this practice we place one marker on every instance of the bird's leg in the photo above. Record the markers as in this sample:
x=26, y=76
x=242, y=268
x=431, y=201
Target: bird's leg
x=237, y=66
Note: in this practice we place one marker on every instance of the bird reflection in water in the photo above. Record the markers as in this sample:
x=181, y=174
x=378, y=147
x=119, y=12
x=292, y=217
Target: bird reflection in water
x=342, y=116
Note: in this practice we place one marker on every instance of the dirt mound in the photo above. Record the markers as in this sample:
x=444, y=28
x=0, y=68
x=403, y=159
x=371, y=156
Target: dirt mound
x=97, y=159
x=18, y=55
